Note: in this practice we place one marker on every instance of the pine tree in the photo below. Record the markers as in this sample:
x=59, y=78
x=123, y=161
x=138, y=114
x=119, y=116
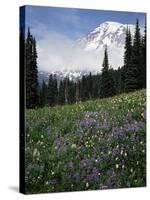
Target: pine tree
x=128, y=48
x=90, y=85
x=84, y=89
x=50, y=91
x=55, y=90
x=43, y=94
x=61, y=93
x=130, y=69
x=143, y=61
x=66, y=81
x=71, y=92
x=107, y=82
x=35, y=85
x=136, y=55
x=77, y=91
x=116, y=74
x=31, y=72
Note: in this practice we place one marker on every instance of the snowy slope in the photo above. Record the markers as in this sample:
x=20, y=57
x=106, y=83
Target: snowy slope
x=108, y=33
x=60, y=75
x=89, y=50
x=111, y=34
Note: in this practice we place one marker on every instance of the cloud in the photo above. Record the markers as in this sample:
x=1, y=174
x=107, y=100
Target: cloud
x=58, y=52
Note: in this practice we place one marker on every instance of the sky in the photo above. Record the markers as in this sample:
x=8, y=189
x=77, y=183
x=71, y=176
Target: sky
x=56, y=30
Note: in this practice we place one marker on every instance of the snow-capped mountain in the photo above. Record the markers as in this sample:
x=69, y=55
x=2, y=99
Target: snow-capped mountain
x=111, y=34
x=60, y=75
x=108, y=33
x=91, y=49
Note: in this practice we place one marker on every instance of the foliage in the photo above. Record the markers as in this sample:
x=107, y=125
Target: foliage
x=135, y=60
x=31, y=72
x=107, y=81
x=95, y=144
x=128, y=78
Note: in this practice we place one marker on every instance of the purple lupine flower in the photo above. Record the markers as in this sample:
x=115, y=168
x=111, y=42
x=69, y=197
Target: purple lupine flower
x=134, y=126
x=117, y=131
x=103, y=125
x=87, y=122
x=60, y=145
x=111, y=182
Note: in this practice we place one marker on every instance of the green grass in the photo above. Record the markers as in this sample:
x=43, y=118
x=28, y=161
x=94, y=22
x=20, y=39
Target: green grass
x=90, y=145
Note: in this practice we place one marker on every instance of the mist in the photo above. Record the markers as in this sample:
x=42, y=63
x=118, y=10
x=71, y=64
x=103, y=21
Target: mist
x=57, y=52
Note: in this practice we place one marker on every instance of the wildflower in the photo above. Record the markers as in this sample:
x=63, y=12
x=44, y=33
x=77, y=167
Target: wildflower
x=73, y=146
x=52, y=172
x=117, y=166
x=36, y=153
x=125, y=154
x=131, y=170
x=123, y=166
x=121, y=152
x=116, y=158
x=46, y=183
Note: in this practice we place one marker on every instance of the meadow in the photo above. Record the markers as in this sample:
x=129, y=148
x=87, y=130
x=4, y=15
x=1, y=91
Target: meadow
x=97, y=144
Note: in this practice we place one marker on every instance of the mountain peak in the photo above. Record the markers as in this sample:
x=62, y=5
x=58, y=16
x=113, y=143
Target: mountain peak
x=108, y=33
x=110, y=23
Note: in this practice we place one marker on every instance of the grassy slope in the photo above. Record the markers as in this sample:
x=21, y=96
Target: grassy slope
x=90, y=145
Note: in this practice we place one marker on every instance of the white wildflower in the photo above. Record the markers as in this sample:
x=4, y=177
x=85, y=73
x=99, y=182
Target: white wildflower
x=117, y=166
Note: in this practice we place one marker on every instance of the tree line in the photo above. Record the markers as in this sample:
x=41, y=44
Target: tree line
x=130, y=77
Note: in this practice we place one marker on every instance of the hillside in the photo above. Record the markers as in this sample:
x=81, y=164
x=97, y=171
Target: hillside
x=96, y=144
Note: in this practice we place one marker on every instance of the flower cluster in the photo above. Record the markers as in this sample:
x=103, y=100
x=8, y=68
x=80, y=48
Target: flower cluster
x=92, y=145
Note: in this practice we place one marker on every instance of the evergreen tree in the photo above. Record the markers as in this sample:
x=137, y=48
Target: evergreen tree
x=35, y=85
x=90, y=85
x=107, y=82
x=55, y=90
x=66, y=81
x=50, y=91
x=130, y=69
x=43, y=94
x=71, y=92
x=116, y=74
x=84, y=89
x=136, y=56
x=61, y=93
x=126, y=77
x=77, y=91
x=31, y=72
x=143, y=61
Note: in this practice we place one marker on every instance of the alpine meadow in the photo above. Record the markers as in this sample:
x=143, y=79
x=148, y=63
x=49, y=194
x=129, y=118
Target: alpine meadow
x=85, y=99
